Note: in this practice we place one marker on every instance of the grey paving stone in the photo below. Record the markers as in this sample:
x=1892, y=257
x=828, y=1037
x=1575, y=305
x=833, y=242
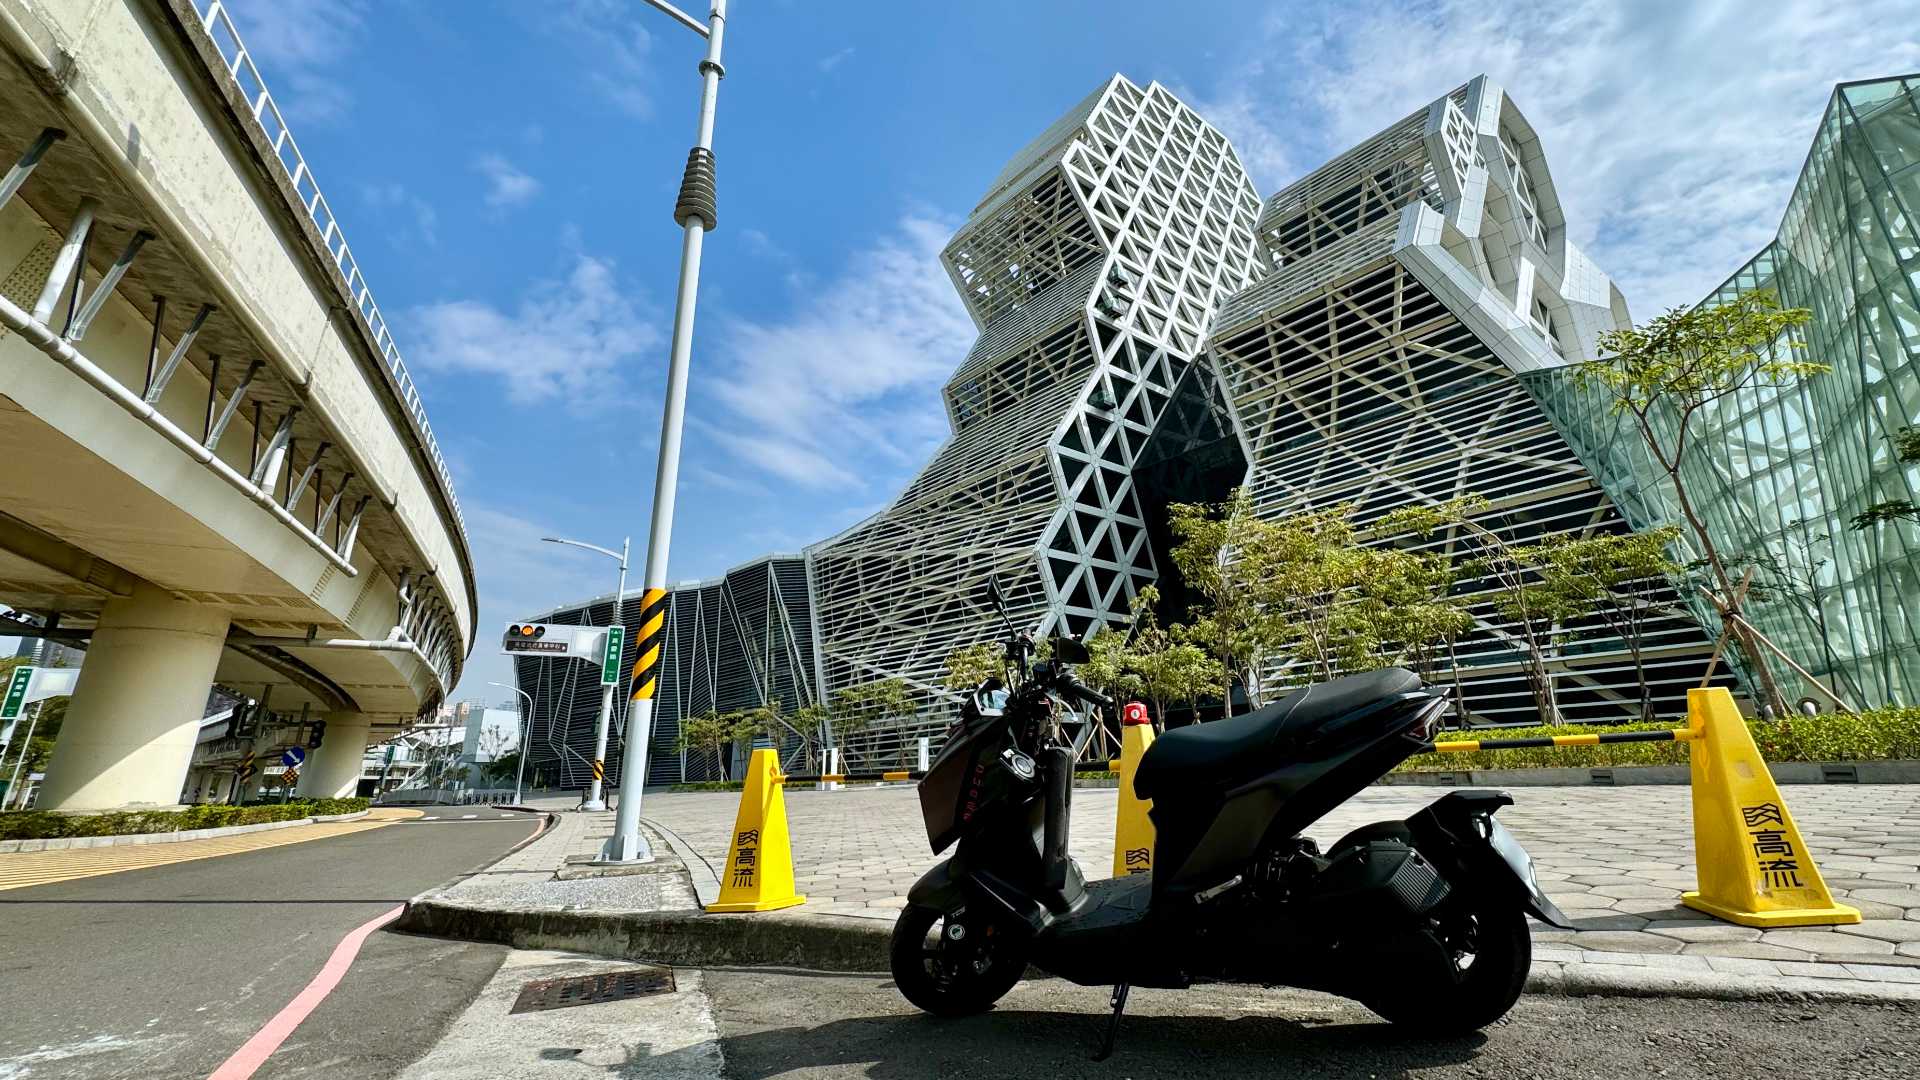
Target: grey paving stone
x=1635, y=892
x=1911, y=948
x=1884, y=929
x=1825, y=942
x=1744, y=950
x=1694, y=931
x=1626, y=941
x=1731, y=965
x=1885, y=973
x=1815, y=971
x=1609, y=922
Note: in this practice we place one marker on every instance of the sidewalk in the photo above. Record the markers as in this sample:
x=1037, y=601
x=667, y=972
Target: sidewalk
x=1615, y=860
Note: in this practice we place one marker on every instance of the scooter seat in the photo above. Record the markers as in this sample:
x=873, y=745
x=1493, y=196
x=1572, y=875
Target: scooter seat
x=1243, y=745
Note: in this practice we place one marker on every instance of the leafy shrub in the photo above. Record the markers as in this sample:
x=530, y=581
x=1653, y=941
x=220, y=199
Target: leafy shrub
x=44, y=824
x=1876, y=735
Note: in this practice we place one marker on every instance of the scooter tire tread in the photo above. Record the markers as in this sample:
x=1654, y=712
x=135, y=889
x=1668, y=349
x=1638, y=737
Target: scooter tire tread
x=1492, y=986
x=918, y=987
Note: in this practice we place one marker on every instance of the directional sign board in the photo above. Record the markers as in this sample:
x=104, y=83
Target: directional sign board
x=555, y=639
x=16, y=692
x=610, y=660
x=292, y=756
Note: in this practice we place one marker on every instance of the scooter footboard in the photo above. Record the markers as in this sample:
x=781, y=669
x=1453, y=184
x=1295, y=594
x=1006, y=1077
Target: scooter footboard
x=1459, y=833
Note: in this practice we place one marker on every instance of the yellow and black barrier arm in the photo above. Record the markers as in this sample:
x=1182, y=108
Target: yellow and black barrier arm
x=1598, y=738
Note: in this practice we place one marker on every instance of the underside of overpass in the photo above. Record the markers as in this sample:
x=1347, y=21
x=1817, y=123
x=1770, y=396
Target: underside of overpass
x=217, y=470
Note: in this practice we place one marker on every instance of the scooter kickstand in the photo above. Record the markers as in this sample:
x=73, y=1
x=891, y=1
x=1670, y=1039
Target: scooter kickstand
x=1119, y=1003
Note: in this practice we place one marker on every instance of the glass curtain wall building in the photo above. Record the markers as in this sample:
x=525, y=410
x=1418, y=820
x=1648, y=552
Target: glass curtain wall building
x=1782, y=471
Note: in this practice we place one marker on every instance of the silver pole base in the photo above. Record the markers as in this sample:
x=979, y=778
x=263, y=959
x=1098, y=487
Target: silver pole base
x=592, y=804
x=626, y=849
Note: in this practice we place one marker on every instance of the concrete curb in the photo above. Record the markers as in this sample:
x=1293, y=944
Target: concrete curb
x=65, y=843
x=835, y=943
x=685, y=938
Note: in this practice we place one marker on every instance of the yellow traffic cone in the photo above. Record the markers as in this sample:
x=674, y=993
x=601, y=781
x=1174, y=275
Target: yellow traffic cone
x=1132, y=829
x=1755, y=869
x=759, y=871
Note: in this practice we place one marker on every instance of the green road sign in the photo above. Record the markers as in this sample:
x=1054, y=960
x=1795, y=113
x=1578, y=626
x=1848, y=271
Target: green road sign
x=610, y=663
x=16, y=693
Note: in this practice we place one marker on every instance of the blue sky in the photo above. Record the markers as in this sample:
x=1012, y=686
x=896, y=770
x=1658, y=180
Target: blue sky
x=505, y=173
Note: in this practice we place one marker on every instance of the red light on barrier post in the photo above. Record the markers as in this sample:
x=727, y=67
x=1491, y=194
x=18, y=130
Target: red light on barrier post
x=1133, y=713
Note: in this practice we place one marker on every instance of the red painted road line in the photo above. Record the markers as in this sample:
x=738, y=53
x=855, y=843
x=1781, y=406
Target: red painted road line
x=250, y=1057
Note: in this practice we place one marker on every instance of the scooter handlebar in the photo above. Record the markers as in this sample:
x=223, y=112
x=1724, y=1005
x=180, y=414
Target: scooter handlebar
x=1080, y=690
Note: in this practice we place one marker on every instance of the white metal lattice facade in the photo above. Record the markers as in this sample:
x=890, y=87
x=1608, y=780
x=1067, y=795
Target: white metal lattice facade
x=1413, y=279
x=1092, y=268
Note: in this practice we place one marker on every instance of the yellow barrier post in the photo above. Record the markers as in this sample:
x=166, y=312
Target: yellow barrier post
x=1133, y=829
x=759, y=871
x=1755, y=870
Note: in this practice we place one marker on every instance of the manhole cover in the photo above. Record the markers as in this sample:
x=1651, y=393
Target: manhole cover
x=543, y=994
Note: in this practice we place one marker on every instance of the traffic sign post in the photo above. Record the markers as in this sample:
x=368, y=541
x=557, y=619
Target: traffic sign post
x=610, y=661
x=16, y=692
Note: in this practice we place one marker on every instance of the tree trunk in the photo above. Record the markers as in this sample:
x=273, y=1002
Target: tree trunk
x=1769, y=690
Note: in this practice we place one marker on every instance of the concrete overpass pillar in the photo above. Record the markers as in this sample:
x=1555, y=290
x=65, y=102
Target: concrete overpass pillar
x=135, y=716
x=333, y=771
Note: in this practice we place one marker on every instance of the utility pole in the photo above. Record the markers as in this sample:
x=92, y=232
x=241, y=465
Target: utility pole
x=526, y=720
x=695, y=212
x=596, y=793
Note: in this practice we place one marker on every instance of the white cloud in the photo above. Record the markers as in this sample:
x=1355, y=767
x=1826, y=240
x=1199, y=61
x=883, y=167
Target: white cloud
x=565, y=339
x=828, y=63
x=843, y=392
x=506, y=185
x=613, y=48
x=295, y=43
x=426, y=221
x=1673, y=132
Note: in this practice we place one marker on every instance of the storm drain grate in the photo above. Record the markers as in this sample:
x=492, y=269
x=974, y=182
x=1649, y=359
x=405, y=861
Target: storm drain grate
x=543, y=994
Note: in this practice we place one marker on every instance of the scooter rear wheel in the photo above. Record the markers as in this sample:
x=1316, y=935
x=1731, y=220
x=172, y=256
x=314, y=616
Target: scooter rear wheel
x=1492, y=953
x=949, y=975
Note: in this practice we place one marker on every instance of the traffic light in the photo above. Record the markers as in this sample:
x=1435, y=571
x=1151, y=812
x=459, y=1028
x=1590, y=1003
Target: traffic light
x=318, y=733
x=529, y=630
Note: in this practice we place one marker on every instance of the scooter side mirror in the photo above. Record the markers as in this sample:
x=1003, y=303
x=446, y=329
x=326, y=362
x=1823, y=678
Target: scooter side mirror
x=1070, y=649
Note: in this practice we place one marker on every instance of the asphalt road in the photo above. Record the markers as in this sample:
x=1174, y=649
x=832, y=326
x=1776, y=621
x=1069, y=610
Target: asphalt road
x=164, y=972
x=813, y=1027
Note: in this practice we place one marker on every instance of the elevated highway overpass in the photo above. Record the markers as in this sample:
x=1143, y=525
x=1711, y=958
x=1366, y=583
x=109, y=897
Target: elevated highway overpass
x=216, y=467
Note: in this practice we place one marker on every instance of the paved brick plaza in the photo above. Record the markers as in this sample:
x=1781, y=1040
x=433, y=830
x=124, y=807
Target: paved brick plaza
x=1614, y=859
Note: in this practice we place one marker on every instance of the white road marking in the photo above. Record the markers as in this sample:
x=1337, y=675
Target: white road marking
x=468, y=817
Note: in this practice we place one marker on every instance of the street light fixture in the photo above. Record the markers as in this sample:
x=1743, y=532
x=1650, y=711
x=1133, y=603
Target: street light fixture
x=694, y=212
x=525, y=735
x=596, y=795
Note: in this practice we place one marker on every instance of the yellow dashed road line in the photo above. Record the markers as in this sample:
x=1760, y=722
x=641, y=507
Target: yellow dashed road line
x=24, y=869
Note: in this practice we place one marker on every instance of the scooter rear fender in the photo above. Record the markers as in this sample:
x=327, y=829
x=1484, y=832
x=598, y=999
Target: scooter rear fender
x=1459, y=831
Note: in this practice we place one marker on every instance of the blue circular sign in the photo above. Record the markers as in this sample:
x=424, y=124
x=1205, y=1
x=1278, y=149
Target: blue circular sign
x=292, y=756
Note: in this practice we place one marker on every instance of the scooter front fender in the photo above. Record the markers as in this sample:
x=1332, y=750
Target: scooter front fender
x=1461, y=827
x=939, y=889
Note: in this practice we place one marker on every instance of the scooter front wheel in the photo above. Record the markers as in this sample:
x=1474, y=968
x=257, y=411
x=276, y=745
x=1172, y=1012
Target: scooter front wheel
x=949, y=966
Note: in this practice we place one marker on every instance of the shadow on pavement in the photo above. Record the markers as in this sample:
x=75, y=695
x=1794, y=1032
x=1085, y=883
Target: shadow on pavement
x=1010, y=1043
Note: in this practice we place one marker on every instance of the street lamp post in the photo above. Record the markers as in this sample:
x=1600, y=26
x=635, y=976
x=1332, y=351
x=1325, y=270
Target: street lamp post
x=694, y=212
x=596, y=795
x=524, y=735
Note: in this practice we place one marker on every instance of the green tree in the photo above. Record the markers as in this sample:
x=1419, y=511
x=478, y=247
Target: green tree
x=503, y=767
x=1631, y=572
x=1906, y=451
x=1151, y=661
x=1212, y=548
x=1665, y=374
x=1539, y=591
x=872, y=706
x=710, y=732
x=1407, y=598
x=968, y=667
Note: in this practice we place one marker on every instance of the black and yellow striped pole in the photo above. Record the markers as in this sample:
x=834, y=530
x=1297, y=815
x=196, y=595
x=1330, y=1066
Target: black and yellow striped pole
x=647, y=643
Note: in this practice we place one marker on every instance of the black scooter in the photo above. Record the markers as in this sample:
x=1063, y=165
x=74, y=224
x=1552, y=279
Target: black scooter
x=1421, y=920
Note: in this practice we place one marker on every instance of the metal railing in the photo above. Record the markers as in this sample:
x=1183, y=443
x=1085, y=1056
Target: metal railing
x=246, y=77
